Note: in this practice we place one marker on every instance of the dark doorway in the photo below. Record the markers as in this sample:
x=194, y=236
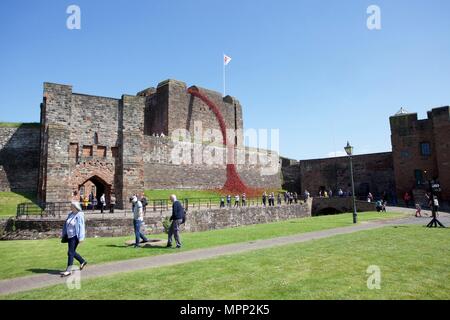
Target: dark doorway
x=328, y=211
x=98, y=187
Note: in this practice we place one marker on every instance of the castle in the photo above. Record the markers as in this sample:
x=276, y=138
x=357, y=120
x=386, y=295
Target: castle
x=163, y=138
x=125, y=146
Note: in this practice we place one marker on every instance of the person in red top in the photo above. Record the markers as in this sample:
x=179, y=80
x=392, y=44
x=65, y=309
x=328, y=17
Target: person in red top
x=407, y=198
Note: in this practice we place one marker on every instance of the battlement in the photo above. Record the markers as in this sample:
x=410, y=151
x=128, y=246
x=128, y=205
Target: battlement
x=409, y=122
x=441, y=113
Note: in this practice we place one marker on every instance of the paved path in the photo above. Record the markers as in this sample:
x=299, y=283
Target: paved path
x=39, y=281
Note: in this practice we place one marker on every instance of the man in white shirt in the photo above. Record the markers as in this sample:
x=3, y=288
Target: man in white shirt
x=138, y=219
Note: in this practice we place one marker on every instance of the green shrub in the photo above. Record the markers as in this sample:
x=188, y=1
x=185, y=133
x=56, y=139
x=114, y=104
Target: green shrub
x=166, y=224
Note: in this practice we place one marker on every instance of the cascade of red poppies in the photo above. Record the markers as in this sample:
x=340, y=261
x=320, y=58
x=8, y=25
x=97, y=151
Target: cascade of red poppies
x=234, y=182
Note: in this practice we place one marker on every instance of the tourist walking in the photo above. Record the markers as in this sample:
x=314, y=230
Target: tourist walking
x=73, y=234
x=85, y=202
x=418, y=210
x=91, y=200
x=177, y=219
x=112, y=203
x=279, y=199
x=369, y=197
x=264, y=198
x=229, y=201
x=222, y=202
x=379, y=206
x=407, y=198
x=103, y=202
x=244, y=200
x=138, y=219
x=94, y=204
x=436, y=205
x=295, y=197
x=236, y=201
x=307, y=195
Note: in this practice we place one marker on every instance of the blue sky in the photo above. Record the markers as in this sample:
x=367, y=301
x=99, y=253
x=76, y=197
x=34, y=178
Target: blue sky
x=309, y=68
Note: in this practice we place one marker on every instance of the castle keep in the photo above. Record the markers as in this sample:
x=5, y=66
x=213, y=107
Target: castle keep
x=125, y=146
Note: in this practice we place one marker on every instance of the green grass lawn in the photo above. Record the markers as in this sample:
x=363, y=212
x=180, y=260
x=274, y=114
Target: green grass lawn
x=189, y=194
x=182, y=194
x=10, y=200
x=21, y=258
x=413, y=261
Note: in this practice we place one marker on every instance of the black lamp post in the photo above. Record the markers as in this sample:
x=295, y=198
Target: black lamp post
x=349, y=150
x=434, y=187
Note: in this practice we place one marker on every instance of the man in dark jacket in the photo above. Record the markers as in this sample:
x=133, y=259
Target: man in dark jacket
x=177, y=219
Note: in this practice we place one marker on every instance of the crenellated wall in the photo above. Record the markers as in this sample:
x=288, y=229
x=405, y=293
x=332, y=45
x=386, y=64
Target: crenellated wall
x=116, y=144
x=372, y=173
x=407, y=134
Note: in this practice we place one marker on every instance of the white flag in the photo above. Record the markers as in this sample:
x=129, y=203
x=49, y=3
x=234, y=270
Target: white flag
x=226, y=59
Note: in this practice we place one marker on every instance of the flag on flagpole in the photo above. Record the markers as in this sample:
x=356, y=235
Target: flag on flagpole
x=226, y=59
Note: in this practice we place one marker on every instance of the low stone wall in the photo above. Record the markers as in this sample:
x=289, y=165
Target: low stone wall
x=200, y=220
x=339, y=205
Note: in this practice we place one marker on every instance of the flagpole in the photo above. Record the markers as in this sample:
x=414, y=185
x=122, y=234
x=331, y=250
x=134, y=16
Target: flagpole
x=223, y=63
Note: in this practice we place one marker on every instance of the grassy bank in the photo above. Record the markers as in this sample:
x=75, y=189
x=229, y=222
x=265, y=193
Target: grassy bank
x=21, y=258
x=333, y=268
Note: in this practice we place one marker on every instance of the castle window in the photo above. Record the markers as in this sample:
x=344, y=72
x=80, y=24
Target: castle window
x=425, y=149
x=418, y=174
x=87, y=151
x=404, y=154
x=101, y=152
x=115, y=152
x=73, y=151
x=96, y=138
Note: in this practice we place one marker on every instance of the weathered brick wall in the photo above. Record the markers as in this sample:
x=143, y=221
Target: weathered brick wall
x=94, y=123
x=372, y=173
x=441, y=134
x=131, y=176
x=162, y=173
x=55, y=121
x=174, y=108
x=201, y=220
x=291, y=175
x=407, y=133
x=19, y=158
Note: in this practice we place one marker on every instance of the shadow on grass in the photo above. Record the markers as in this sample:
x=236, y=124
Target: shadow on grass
x=32, y=197
x=46, y=271
x=131, y=246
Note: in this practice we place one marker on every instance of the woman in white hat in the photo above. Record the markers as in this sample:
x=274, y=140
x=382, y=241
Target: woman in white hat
x=73, y=233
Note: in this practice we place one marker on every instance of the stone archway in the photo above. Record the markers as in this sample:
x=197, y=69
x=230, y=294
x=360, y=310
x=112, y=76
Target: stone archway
x=94, y=174
x=97, y=186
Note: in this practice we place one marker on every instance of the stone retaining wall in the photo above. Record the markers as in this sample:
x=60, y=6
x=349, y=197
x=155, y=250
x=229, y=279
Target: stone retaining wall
x=200, y=220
